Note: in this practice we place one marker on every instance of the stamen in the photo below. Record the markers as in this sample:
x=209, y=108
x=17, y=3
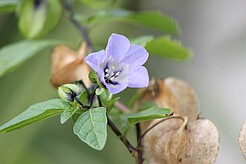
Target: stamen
x=117, y=73
x=112, y=74
x=112, y=78
x=106, y=70
x=107, y=75
x=112, y=68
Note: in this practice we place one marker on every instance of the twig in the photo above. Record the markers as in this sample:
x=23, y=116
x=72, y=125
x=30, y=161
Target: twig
x=80, y=103
x=92, y=98
x=125, y=141
x=139, y=158
x=99, y=100
x=83, y=30
x=122, y=107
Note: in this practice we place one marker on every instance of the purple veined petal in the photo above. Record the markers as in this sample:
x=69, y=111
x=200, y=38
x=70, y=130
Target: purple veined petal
x=116, y=88
x=136, y=56
x=139, y=78
x=94, y=60
x=117, y=46
x=96, y=57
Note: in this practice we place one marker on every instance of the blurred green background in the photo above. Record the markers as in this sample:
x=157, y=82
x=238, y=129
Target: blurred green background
x=214, y=30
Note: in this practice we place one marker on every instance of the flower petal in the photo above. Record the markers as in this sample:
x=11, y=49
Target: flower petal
x=136, y=56
x=116, y=88
x=117, y=46
x=95, y=59
x=139, y=78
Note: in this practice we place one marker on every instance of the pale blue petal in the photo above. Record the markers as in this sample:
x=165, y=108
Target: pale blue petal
x=117, y=46
x=139, y=78
x=116, y=88
x=94, y=60
x=136, y=56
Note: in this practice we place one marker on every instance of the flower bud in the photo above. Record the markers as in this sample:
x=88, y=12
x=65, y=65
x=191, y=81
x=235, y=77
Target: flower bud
x=68, y=92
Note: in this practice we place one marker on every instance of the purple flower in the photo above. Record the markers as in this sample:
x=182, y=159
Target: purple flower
x=120, y=65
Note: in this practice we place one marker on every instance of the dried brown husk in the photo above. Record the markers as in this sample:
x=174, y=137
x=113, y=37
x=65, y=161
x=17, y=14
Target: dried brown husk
x=175, y=94
x=173, y=142
x=242, y=140
x=68, y=66
x=182, y=138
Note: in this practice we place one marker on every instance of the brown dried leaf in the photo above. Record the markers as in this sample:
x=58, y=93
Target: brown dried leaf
x=68, y=66
x=242, y=140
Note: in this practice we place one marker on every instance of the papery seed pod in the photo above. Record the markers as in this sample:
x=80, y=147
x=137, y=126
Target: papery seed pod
x=171, y=142
x=242, y=140
x=205, y=137
x=185, y=96
x=163, y=144
x=68, y=66
x=158, y=92
x=183, y=138
x=173, y=93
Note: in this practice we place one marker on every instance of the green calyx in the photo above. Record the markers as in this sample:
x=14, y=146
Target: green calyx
x=95, y=79
x=69, y=92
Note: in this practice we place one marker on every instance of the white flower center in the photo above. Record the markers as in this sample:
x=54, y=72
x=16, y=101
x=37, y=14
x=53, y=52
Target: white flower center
x=111, y=74
x=114, y=72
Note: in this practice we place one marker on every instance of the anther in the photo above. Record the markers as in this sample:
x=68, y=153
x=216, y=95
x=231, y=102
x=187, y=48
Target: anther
x=112, y=68
x=112, y=74
x=106, y=70
x=112, y=78
x=117, y=73
x=106, y=75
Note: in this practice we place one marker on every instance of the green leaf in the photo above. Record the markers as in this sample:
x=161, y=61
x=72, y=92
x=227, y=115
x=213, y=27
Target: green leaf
x=142, y=40
x=149, y=114
x=130, y=119
x=152, y=19
x=37, y=18
x=96, y=4
x=83, y=97
x=67, y=113
x=108, y=99
x=35, y=113
x=7, y=6
x=91, y=127
x=15, y=54
x=165, y=47
x=156, y=20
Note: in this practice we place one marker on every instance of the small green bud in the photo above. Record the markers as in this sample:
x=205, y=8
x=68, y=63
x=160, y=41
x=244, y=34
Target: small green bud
x=95, y=79
x=68, y=92
x=39, y=17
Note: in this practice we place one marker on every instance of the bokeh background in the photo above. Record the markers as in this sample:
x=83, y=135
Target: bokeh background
x=214, y=30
